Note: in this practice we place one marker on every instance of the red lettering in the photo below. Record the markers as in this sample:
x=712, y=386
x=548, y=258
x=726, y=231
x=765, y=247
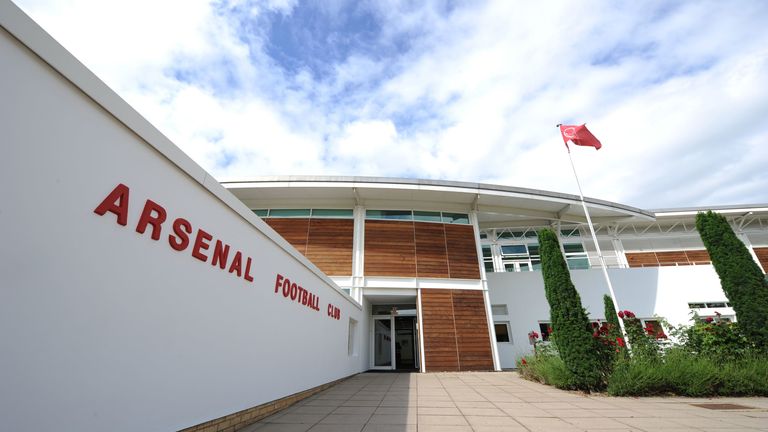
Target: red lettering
x=294, y=291
x=286, y=287
x=220, y=253
x=116, y=202
x=147, y=219
x=182, y=228
x=330, y=310
x=201, y=244
x=278, y=281
x=237, y=263
x=304, y=298
x=247, y=275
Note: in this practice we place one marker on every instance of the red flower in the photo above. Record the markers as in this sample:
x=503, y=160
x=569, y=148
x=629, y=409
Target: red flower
x=523, y=362
x=708, y=319
x=629, y=314
x=620, y=341
x=621, y=314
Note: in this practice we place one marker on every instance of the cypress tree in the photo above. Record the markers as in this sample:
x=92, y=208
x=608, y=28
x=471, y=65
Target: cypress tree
x=573, y=333
x=613, y=322
x=741, y=279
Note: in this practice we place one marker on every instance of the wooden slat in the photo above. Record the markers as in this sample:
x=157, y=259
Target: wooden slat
x=329, y=245
x=431, y=254
x=762, y=256
x=462, y=254
x=440, y=351
x=455, y=330
x=642, y=259
x=698, y=256
x=293, y=230
x=390, y=248
x=472, y=330
x=672, y=257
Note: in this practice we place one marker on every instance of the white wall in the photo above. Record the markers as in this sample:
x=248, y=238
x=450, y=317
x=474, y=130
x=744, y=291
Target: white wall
x=103, y=328
x=648, y=292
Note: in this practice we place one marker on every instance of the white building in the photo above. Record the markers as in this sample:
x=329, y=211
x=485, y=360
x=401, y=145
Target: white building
x=137, y=293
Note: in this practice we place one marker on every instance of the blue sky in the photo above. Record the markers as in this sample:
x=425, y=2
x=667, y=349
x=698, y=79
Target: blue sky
x=676, y=91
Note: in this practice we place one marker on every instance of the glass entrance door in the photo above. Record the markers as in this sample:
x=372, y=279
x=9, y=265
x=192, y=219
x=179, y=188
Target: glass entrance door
x=383, y=342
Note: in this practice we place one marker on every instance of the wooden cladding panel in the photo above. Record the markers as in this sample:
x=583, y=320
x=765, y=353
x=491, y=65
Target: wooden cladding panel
x=667, y=258
x=293, y=230
x=329, y=245
x=472, y=330
x=455, y=330
x=462, y=252
x=390, y=249
x=440, y=345
x=431, y=254
x=762, y=256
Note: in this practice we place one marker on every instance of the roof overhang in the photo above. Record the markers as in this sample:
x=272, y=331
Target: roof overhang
x=497, y=205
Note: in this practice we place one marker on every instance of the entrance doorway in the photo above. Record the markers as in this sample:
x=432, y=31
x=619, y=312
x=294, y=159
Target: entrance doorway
x=395, y=339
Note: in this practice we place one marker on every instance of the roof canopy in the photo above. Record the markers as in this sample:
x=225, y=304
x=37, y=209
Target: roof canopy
x=497, y=206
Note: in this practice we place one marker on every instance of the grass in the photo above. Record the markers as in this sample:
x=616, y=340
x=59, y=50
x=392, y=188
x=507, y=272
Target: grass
x=678, y=373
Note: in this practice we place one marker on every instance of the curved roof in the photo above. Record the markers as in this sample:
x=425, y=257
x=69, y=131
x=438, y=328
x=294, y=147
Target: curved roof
x=497, y=205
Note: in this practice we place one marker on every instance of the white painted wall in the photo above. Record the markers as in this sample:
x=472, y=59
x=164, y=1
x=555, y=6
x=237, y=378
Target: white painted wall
x=648, y=292
x=103, y=328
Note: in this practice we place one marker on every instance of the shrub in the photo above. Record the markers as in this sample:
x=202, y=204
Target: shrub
x=643, y=345
x=716, y=339
x=687, y=374
x=742, y=281
x=575, y=344
x=546, y=366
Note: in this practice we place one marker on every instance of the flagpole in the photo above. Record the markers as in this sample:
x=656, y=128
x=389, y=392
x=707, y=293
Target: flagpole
x=599, y=253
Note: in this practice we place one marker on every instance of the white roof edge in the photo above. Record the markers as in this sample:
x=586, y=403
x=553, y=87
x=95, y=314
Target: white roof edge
x=443, y=185
x=737, y=209
x=37, y=40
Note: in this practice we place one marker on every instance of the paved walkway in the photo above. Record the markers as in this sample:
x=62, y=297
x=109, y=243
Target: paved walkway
x=501, y=401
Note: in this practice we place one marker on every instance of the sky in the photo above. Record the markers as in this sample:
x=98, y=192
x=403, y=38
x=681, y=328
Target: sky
x=676, y=91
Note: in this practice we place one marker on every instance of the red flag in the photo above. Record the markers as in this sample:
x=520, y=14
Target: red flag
x=579, y=135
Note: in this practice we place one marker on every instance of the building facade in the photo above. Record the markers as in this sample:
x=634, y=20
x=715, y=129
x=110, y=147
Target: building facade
x=450, y=269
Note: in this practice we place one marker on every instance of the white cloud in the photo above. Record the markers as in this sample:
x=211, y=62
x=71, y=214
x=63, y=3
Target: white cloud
x=677, y=93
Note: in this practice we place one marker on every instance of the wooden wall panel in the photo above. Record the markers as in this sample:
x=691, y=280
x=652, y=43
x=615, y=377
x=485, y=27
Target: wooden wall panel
x=667, y=258
x=698, y=257
x=294, y=230
x=431, y=253
x=440, y=347
x=472, y=331
x=329, y=245
x=762, y=255
x=455, y=330
x=462, y=253
x=390, y=248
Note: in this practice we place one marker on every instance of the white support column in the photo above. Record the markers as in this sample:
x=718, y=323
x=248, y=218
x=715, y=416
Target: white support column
x=420, y=323
x=358, y=253
x=618, y=247
x=486, y=298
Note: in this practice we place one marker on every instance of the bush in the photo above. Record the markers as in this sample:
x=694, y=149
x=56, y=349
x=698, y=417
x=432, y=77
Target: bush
x=684, y=373
x=573, y=334
x=742, y=280
x=546, y=367
x=716, y=339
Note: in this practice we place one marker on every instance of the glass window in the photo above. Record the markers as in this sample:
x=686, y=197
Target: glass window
x=487, y=252
x=289, y=213
x=697, y=305
x=488, y=266
x=502, y=332
x=572, y=232
x=332, y=213
x=262, y=213
x=579, y=263
x=427, y=216
x=573, y=247
x=456, y=218
x=389, y=214
x=545, y=329
x=500, y=309
x=716, y=305
x=351, y=348
x=514, y=250
x=483, y=235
